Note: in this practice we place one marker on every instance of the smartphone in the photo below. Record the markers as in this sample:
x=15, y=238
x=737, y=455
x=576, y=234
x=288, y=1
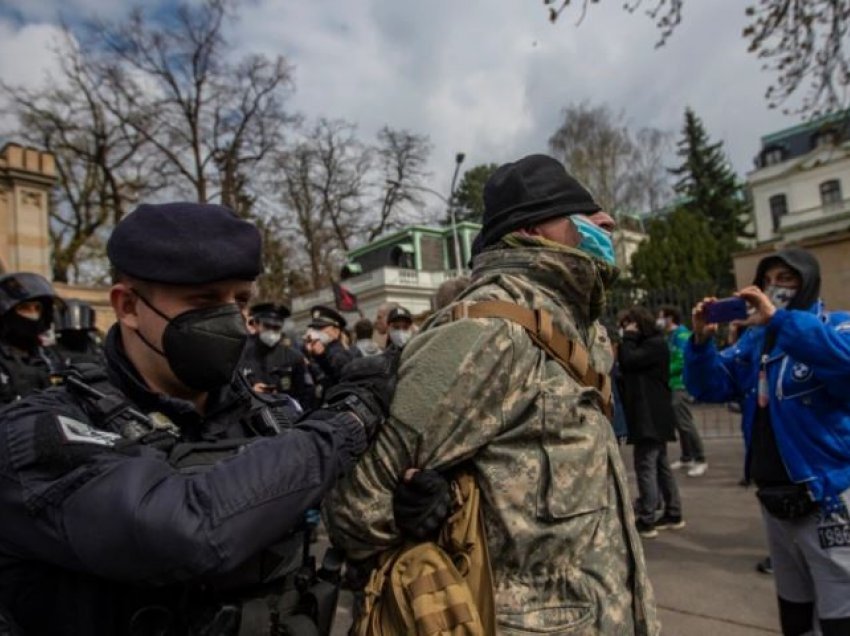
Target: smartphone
x=726, y=310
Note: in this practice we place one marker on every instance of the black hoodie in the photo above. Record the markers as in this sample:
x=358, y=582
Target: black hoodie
x=801, y=262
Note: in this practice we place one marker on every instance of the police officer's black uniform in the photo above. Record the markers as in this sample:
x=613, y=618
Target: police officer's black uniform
x=116, y=516
x=276, y=365
x=25, y=366
x=76, y=335
x=336, y=356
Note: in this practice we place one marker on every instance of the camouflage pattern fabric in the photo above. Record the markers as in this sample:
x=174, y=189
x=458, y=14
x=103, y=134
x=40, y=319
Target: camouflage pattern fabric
x=565, y=554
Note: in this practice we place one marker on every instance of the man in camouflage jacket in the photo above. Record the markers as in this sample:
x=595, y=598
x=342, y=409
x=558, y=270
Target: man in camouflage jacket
x=565, y=555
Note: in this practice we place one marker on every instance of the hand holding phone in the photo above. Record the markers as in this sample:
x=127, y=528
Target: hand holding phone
x=725, y=310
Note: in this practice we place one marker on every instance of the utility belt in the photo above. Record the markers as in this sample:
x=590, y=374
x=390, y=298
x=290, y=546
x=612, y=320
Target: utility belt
x=787, y=502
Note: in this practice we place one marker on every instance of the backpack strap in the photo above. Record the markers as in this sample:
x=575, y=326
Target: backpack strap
x=540, y=327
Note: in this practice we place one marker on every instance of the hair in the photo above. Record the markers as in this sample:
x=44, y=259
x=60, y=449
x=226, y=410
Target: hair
x=119, y=277
x=449, y=290
x=669, y=311
x=644, y=319
x=363, y=329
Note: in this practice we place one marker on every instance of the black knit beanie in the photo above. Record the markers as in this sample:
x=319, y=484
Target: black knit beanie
x=528, y=192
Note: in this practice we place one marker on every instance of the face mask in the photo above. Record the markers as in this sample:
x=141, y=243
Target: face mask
x=780, y=296
x=594, y=240
x=321, y=336
x=621, y=332
x=202, y=346
x=400, y=337
x=270, y=338
x=661, y=323
x=22, y=331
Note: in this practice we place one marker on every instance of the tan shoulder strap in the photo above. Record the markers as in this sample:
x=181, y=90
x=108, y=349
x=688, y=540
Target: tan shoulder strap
x=539, y=325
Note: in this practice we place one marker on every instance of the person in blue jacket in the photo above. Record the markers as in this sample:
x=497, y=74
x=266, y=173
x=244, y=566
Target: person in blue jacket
x=791, y=374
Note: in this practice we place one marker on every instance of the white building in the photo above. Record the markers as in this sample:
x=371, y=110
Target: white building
x=406, y=267
x=798, y=190
x=799, y=184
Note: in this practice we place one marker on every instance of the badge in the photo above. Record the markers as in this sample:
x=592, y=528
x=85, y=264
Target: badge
x=77, y=432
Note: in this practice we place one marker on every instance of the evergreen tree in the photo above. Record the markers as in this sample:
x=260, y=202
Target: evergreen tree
x=680, y=252
x=470, y=192
x=709, y=189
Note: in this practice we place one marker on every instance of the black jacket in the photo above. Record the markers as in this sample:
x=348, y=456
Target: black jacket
x=21, y=373
x=279, y=366
x=647, y=402
x=94, y=528
x=332, y=362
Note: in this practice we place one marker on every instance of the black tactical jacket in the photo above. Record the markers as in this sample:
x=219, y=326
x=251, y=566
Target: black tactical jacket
x=98, y=533
x=22, y=373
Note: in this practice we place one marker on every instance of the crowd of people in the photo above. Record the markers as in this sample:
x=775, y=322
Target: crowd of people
x=166, y=478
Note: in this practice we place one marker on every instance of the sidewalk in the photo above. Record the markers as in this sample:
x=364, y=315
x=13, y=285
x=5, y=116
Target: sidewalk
x=704, y=575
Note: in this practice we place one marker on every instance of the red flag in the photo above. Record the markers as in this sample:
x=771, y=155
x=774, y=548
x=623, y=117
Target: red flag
x=344, y=299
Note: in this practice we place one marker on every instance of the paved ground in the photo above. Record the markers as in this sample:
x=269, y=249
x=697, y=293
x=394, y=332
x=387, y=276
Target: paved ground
x=704, y=575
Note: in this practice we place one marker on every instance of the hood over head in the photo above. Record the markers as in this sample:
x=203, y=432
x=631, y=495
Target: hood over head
x=802, y=262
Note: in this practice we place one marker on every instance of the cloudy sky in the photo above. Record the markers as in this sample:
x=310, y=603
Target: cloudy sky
x=485, y=77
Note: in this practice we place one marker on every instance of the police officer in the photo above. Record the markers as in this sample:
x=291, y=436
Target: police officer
x=118, y=515
x=399, y=327
x=270, y=365
x=323, y=344
x=26, y=311
x=76, y=334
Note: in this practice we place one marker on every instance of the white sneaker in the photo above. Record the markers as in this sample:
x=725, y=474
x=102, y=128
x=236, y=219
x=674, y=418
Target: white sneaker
x=676, y=465
x=698, y=469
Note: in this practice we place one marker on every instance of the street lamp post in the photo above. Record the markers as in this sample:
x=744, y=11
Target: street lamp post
x=459, y=157
x=450, y=204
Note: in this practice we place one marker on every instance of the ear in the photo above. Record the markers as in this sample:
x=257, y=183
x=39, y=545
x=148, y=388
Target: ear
x=529, y=231
x=125, y=303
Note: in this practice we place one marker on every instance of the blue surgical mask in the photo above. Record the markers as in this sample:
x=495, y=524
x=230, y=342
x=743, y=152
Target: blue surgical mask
x=594, y=240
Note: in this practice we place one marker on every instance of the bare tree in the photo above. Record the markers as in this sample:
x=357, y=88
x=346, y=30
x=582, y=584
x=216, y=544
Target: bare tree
x=101, y=170
x=596, y=147
x=210, y=120
x=341, y=178
x=803, y=42
x=651, y=177
x=402, y=160
x=323, y=185
x=624, y=171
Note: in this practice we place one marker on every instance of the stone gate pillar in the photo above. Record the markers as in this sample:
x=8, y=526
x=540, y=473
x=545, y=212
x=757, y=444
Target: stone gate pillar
x=26, y=177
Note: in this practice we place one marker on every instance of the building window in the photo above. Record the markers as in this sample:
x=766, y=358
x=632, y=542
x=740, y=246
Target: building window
x=830, y=193
x=825, y=138
x=772, y=156
x=778, y=209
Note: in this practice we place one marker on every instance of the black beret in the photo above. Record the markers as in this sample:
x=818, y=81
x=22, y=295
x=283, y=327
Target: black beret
x=399, y=313
x=270, y=313
x=527, y=192
x=321, y=316
x=185, y=244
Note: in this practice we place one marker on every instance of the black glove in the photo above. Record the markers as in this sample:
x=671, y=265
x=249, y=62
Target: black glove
x=366, y=388
x=422, y=504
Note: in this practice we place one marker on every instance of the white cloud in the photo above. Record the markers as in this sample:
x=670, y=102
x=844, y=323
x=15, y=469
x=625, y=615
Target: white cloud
x=488, y=77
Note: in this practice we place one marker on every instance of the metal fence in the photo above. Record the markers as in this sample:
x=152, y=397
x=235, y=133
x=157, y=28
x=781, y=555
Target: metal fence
x=684, y=298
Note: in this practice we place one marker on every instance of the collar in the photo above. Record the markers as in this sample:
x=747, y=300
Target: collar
x=127, y=378
x=567, y=275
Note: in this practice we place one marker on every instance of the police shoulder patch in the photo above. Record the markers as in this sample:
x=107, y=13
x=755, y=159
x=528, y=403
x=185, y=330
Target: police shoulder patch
x=77, y=432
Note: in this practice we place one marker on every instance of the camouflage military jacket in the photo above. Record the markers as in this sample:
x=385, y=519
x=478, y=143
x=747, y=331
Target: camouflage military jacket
x=565, y=554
